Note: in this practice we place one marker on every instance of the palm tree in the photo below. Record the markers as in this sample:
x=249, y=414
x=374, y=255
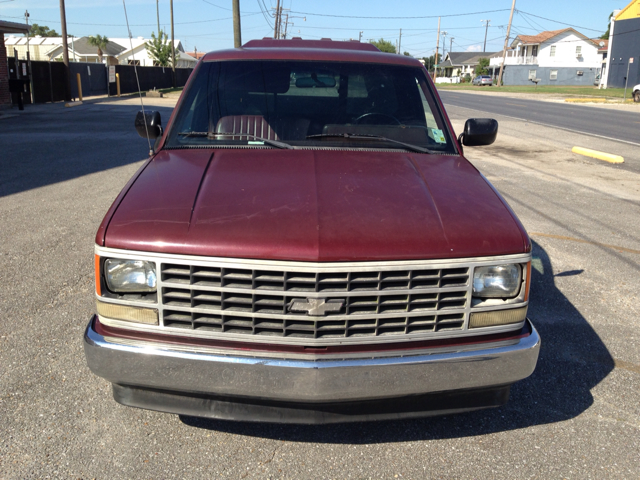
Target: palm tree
x=99, y=42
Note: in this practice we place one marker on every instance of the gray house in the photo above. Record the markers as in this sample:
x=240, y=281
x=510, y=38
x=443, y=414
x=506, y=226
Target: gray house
x=457, y=64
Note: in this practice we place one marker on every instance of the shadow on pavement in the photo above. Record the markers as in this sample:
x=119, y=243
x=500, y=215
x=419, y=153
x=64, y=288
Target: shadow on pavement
x=50, y=143
x=572, y=361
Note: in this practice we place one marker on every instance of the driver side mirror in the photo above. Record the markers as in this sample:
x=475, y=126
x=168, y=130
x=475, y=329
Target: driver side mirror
x=478, y=132
x=150, y=122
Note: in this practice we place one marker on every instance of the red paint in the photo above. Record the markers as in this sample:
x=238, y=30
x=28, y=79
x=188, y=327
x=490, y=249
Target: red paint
x=121, y=333
x=311, y=54
x=299, y=43
x=315, y=206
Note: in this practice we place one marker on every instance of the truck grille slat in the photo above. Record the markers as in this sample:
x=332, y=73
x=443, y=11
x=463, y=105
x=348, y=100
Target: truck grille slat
x=260, y=302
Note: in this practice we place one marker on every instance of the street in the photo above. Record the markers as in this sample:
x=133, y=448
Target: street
x=577, y=416
x=603, y=123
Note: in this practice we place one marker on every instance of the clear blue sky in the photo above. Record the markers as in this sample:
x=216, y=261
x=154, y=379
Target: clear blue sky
x=207, y=25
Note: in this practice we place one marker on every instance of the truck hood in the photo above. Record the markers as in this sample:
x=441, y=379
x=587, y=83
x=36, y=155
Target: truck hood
x=314, y=205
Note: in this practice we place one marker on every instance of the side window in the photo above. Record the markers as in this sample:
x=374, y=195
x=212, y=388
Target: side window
x=553, y=51
x=553, y=75
x=357, y=87
x=578, y=51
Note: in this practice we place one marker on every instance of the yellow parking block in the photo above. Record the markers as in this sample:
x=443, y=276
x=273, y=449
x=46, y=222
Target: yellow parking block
x=607, y=157
x=585, y=100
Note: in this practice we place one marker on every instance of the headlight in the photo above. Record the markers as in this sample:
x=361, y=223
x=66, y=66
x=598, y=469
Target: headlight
x=130, y=275
x=497, y=281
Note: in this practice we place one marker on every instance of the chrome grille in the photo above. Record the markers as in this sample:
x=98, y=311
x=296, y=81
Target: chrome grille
x=257, y=302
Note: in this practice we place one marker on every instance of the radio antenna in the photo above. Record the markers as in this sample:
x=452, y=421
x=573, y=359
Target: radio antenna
x=135, y=69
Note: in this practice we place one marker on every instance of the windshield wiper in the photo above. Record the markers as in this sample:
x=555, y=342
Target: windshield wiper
x=212, y=135
x=358, y=136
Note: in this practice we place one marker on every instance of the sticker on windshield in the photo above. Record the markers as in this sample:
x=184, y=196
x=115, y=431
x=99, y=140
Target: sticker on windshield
x=438, y=135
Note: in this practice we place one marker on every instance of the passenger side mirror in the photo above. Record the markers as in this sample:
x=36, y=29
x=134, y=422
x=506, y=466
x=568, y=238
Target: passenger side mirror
x=479, y=131
x=149, y=121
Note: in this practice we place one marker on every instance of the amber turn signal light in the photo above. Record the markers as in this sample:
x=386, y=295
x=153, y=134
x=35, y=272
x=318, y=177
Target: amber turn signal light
x=497, y=317
x=148, y=316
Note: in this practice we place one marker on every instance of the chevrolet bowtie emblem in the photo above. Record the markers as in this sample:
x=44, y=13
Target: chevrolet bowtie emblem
x=316, y=306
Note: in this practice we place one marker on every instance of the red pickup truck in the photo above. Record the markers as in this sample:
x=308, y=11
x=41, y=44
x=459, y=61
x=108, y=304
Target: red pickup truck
x=308, y=244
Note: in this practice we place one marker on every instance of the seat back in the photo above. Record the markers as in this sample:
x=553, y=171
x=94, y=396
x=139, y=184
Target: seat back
x=276, y=129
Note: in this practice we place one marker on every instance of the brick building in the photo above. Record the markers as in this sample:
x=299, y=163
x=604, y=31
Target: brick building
x=7, y=27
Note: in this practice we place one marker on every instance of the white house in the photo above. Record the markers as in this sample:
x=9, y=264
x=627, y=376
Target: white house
x=117, y=52
x=38, y=46
x=141, y=56
x=558, y=57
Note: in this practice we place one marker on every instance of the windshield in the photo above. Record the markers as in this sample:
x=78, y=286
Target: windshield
x=309, y=104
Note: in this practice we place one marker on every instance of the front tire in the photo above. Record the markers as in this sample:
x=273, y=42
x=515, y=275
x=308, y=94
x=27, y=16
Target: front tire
x=636, y=96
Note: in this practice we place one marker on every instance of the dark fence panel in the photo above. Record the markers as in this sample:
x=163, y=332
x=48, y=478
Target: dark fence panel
x=182, y=75
x=150, y=78
x=48, y=81
x=93, y=77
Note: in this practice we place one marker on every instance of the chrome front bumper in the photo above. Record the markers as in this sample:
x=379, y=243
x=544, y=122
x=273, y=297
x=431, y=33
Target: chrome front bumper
x=163, y=377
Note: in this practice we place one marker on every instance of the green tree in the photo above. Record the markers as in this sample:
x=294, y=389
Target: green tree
x=429, y=62
x=384, y=45
x=605, y=35
x=406, y=54
x=100, y=42
x=483, y=67
x=159, y=49
x=43, y=31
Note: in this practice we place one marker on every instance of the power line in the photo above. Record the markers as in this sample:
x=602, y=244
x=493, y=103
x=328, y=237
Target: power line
x=139, y=25
x=400, y=18
x=561, y=23
x=217, y=6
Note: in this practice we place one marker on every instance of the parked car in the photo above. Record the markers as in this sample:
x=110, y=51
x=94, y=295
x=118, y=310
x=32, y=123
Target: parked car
x=636, y=93
x=481, y=80
x=308, y=244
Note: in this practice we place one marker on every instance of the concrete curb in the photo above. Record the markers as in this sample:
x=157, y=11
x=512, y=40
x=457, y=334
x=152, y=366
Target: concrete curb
x=598, y=100
x=72, y=104
x=607, y=157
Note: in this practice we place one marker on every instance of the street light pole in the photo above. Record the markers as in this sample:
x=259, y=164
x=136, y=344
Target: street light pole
x=435, y=63
x=444, y=38
x=486, y=30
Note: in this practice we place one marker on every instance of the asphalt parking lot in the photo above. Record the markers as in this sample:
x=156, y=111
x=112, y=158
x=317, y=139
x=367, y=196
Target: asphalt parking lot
x=577, y=416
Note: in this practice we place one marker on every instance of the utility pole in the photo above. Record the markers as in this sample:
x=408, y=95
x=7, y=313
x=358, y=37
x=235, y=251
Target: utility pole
x=237, y=34
x=286, y=26
x=158, y=15
x=65, y=52
x=400, y=44
x=451, y=45
x=506, y=42
x=173, y=50
x=276, y=29
x=486, y=30
x=360, y=36
x=435, y=63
